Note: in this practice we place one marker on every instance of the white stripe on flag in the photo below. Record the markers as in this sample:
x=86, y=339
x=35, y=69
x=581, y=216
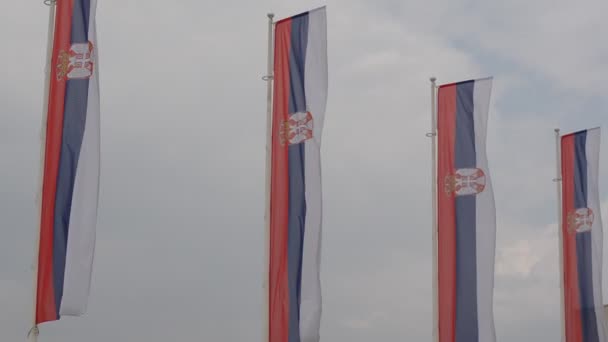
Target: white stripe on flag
x=592, y=147
x=486, y=216
x=316, y=97
x=83, y=217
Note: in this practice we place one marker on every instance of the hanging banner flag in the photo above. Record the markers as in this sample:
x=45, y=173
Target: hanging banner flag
x=71, y=166
x=300, y=94
x=466, y=231
x=582, y=238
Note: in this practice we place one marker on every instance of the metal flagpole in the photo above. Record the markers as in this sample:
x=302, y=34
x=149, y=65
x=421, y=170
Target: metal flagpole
x=558, y=184
x=268, y=78
x=433, y=136
x=34, y=332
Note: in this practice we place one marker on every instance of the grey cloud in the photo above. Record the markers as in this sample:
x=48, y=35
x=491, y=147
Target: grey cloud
x=179, y=250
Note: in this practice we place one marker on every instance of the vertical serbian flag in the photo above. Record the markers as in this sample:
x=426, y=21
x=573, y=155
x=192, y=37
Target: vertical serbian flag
x=300, y=93
x=466, y=214
x=582, y=238
x=71, y=166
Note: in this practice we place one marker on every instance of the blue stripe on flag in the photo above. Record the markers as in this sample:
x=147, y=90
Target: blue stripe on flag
x=585, y=279
x=297, y=220
x=580, y=170
x=466, y=256
x=297, y=62
x=297, y=200
x=76, y=98
x=584, y=242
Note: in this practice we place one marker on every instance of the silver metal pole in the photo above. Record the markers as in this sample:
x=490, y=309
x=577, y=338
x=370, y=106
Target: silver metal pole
x=558, y=186
x=433, y=136
x=268, y=78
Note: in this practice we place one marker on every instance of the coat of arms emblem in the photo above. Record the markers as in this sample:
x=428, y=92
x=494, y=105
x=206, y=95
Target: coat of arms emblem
x=465, y=182
x=580, y=220
x=298, y=128
x=76, y=63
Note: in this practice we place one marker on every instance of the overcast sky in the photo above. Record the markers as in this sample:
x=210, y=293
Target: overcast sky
x=180, y=232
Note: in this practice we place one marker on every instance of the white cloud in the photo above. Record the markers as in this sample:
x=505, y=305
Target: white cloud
x=521, y=257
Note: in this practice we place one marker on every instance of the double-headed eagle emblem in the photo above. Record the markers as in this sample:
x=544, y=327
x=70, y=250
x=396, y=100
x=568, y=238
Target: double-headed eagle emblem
x=465, y=182
x=580, y=220
x=76, y=63
x=298, y=128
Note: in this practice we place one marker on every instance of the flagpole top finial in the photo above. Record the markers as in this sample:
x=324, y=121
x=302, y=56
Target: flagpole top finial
x=433, y=79
x=556, y=130
x=270, y=15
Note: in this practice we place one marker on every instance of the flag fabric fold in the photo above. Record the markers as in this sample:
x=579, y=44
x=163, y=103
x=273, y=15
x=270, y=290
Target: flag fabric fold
x=70, y=184
x=466, y=230
x=582, y=238
x=300, y=94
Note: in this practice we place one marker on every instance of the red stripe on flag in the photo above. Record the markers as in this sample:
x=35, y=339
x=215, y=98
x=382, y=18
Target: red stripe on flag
x=279, y=191
x=446, y=228
x=572, y=312
x=46, y=308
